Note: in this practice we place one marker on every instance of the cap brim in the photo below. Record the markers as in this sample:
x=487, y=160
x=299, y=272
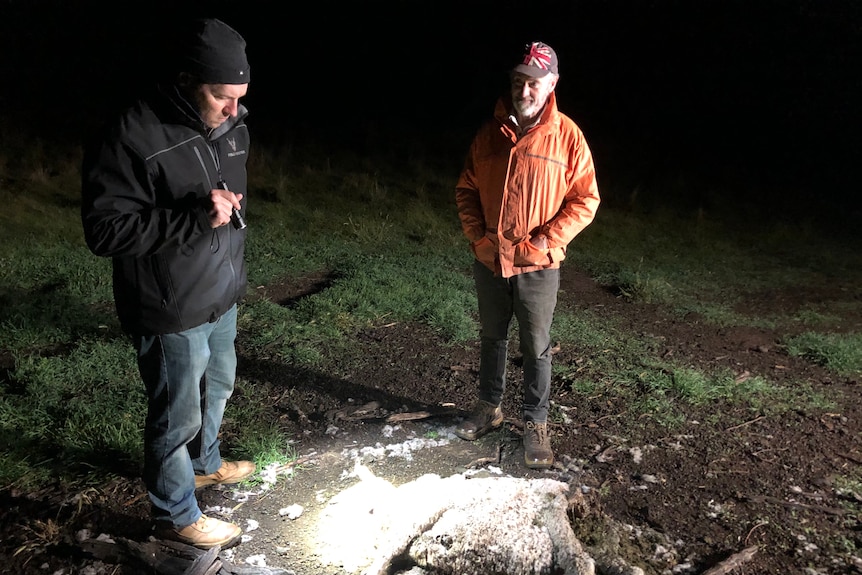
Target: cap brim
x=531, y=71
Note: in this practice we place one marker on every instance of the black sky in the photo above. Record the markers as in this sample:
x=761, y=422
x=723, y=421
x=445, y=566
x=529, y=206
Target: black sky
x=765, y=89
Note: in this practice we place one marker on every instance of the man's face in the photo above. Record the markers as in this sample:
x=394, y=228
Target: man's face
x=218, y=102
x=530, y=94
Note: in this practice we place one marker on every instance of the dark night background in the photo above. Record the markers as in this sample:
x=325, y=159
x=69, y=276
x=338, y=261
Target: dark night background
x=757, y=99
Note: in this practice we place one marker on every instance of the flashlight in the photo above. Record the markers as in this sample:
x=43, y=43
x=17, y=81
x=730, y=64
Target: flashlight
x=235, y=217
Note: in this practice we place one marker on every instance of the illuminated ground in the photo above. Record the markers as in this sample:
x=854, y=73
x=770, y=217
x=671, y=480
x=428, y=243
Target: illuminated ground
x=359, y=499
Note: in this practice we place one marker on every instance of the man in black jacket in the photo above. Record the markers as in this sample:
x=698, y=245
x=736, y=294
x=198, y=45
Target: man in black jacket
x=163, y=195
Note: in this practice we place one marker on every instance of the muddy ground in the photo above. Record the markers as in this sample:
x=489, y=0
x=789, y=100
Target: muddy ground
x=680, y=500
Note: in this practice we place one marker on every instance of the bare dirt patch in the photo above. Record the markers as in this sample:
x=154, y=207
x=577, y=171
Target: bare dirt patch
x=668, y=501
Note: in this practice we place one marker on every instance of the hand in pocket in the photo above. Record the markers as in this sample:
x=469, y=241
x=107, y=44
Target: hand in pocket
x=485, y=251
x=526, y=254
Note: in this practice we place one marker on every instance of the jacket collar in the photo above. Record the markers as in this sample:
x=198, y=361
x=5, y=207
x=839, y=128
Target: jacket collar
x=185, y=112
x=229, y=124
x=503, y=114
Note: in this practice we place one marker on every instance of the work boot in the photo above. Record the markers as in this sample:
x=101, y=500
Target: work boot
x=204, y=533
x=229, y=472
x=484, y=417
x=537, y=445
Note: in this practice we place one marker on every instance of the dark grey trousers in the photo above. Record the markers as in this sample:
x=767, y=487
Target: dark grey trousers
x=531, y=299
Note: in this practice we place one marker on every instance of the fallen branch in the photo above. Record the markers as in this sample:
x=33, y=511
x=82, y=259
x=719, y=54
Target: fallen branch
x=852, y=457
x=206, y=564
x=750, y=531
x=611, y=415
x=755, y=420
x=283, y=468
x=795, y=505
x=485, y=460
x=424, y=414
x=413, y=416
x=355, y=413
x=155, y=555
x=732, y=562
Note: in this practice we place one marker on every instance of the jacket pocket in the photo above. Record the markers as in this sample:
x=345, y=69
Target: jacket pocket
x=162, y=275
x=485, y=251
x=526, y=254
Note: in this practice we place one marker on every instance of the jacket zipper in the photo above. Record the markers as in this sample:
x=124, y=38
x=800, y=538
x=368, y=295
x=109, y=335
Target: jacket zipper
x=214, y=152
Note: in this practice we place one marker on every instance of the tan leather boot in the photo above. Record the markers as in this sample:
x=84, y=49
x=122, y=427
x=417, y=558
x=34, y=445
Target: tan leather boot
x=484, y=417
x=537, y=445
x=229, y=472
x=204, y=533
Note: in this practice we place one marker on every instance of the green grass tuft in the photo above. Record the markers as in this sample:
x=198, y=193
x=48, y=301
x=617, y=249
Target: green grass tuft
x=841, y=353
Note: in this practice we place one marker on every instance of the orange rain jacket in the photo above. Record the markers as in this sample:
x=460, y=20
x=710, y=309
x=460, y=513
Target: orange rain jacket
x=513, y=189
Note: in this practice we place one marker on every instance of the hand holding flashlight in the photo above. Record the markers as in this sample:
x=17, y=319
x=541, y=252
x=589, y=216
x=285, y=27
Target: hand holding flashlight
x=235, y=218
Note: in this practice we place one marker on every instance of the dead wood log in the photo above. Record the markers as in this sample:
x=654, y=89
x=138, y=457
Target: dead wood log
x=355, y=413
x=424, y=414
x=163, y=557
x=412, y=416
x=126, y=551
x=206, y=564
x=486, y=460
x=732, y=562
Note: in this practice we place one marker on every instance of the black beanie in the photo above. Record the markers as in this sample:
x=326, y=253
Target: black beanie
x=215, y=54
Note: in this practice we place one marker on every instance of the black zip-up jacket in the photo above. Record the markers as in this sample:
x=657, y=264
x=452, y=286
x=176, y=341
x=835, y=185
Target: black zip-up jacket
x=145, y=184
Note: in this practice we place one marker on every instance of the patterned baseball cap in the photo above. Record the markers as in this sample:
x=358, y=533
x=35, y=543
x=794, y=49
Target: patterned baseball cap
x=539, y=60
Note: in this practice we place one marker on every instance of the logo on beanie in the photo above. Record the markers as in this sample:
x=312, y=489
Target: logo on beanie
x=538, y=55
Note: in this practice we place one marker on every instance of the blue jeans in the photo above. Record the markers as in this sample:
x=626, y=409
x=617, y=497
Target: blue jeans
x=531, y=298
x=189, y=377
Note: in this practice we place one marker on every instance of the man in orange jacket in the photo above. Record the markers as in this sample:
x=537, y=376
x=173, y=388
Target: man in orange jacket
x=528, y=187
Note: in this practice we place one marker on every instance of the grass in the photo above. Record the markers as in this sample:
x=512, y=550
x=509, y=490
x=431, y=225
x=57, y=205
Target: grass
x=387, y=241
x=708, y=267
x=841, y=353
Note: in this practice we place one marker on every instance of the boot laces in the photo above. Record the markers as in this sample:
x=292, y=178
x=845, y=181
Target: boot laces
x=538, y=432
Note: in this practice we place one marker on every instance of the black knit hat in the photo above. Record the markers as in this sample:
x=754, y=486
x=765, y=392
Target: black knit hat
x=214, y=53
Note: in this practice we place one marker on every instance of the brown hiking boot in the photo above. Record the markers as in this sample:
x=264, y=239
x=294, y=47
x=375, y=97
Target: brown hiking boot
x=484, y=417
x=229, y=472
x=537, y=445
x=204, y=533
